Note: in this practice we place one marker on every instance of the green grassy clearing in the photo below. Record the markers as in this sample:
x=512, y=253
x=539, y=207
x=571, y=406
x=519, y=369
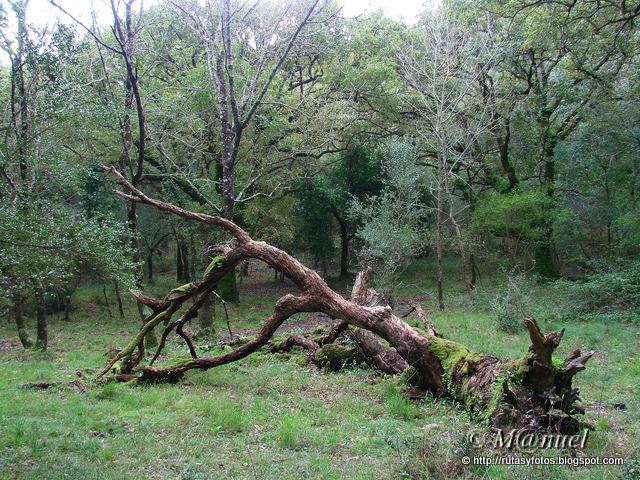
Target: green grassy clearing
x=270, y=417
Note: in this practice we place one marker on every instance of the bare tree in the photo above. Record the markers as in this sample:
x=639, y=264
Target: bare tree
x=441, y=65
x=126, y=29
x=247, y=45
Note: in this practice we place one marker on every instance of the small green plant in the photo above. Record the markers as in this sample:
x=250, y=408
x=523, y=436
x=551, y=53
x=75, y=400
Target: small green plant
x=22, y=434
x=610, y=289
x=226, y=416
x=109, y=391
x=289, y=432
x=398, y=405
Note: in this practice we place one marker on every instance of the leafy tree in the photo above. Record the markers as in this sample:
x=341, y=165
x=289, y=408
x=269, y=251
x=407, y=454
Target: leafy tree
x=45, y=248
x=47, y=240
x=355, y=175
x=392, y=225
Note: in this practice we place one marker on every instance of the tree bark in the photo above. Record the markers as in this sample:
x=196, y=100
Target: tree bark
x=150, y=268
x=468, y=284
x=41, y=320
x=18, y=315
x=344, y=250
x=118, y=298
x=67, y=307
x=440, y=271
x=205, y=318
x=106, y=300
x=19, y=94
x=179, y=265
x=228, y=287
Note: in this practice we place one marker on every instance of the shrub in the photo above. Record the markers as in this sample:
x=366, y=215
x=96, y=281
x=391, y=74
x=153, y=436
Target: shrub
x=608, y=291
x=514, y=302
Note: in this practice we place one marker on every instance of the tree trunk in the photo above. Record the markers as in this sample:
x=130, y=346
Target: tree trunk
x=41, y=320
x=244, y=269
x=205, y=318
x=18, y=315
x=106, y=300
x=183, y=270
x=468, y=285
x=543, y=256
x=228, y=287
x=440, y=271
x=150, y=268
x=66, y=300
x=344, y=250
x=532, y=392
x=545, y=265
x=179, y=265
x=474, y=270
x=118, y=298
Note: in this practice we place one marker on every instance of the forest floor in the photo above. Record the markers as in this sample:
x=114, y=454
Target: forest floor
x=270, y=416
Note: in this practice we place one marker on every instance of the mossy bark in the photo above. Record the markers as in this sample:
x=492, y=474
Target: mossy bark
x=228, y=287
x=116, y=287
x=151, y=339
x=532, y=392
x=330, y=356
x=205, y=318
x=336, y=357
x=543, y=256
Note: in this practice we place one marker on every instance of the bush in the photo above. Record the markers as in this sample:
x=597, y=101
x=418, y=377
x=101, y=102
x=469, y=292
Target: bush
x=609, y=291
x=514, y=302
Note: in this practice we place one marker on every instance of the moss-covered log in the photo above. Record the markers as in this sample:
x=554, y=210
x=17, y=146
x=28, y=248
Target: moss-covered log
x=329, y=355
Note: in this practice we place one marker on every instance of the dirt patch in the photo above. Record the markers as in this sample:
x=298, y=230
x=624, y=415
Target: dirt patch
x=8, y=345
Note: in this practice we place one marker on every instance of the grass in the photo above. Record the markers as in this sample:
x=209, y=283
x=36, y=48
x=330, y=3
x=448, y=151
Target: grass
x=267, y=416
x=289, y=432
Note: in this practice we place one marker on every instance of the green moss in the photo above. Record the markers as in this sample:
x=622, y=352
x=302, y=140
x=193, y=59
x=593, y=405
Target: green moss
x=515, y=370
x=242, y=340
x=228, y=288
x=451, y=353
x=336, y=357
x=216, y=262
x=278, y=343
x=495, y=401
x=545, y=266
x=182, y=362
x=499, y=183
x=557, y=363
x=411, y=378
x=180, y=291
x=319, y=330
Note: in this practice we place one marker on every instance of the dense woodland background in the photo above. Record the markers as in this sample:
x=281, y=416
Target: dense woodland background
x=481, y=156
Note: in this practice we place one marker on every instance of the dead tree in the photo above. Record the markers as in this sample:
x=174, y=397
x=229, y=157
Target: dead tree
x=369, y=348
x=533, y=392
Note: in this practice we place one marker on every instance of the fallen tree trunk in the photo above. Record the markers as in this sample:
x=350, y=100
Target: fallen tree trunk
x=370, y=348
x=534, y=391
